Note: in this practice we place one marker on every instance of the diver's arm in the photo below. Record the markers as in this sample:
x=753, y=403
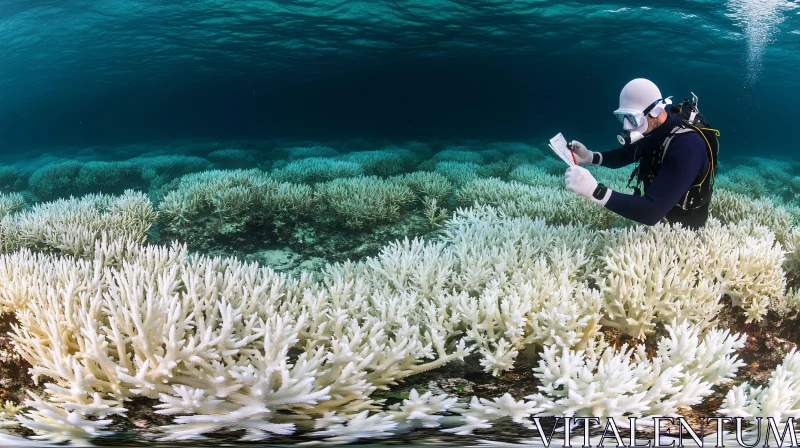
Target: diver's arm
x=686, y=157
x=617, y=158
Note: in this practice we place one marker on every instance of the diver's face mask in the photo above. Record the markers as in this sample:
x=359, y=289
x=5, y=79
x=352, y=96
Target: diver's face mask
x=635, y=122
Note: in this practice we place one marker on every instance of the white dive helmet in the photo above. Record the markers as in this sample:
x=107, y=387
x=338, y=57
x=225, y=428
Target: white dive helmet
x=635, y=97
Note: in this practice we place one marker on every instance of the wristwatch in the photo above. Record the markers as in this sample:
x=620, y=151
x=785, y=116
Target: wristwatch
x=600, y=192
x=596, y=158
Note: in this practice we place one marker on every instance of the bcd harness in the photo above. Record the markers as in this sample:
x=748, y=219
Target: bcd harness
x=689, y=120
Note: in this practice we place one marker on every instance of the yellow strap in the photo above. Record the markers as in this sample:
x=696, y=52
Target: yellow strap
x=709, y=129
x=710, y=155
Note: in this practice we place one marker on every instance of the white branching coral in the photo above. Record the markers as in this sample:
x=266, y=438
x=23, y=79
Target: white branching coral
x=603, y=382
x=227, y=345
x=778, y=399
x=222, y=344
x=360, y=426
x=502, y=283
x=611, y=383
x=791, y=244
x=459, y=173
x=421, y=410
x=73, y=226
x=436, y=215
x=8, y=414
x=362, y=201
x=534, y=175
x=57, y=424
x=482, y=411
x=428, y=185
x=11, y=203
x=652, y=275
x=232, y=195
x=729, y=207
x=214, y=205
x=548, y=201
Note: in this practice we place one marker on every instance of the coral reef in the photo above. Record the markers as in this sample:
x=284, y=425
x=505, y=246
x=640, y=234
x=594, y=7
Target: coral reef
x=555, y=205
x=223, y=205
x=73, y=226
x=359, y=202
x=316, y=169
x=478, y=262
x=234, y=158
x=11, y=203
x=384, y=162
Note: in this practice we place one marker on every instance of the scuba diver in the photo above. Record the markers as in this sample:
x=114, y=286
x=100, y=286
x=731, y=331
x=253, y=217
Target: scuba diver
x=677, y=153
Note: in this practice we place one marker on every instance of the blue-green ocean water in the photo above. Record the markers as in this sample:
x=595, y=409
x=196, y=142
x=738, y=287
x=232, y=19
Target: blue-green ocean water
x=83, y=72
x=89, y=75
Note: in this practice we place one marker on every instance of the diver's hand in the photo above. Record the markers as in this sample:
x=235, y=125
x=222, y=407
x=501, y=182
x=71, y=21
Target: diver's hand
x=581, y=182
x=583, y=155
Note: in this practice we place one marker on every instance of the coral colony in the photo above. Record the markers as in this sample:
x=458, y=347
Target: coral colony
x=472, y=255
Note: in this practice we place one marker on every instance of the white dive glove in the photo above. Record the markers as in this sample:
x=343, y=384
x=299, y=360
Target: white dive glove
x=581, y=182
x=583, y=155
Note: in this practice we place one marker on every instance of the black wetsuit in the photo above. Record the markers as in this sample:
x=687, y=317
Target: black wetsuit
x=686, y=158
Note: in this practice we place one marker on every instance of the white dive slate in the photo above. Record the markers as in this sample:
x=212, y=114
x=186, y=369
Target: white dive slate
x=559, y=146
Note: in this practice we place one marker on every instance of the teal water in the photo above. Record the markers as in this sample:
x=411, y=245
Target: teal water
x=110, y=72
x=360, y=123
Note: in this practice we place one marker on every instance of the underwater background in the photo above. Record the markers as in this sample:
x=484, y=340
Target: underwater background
x=339, y=221
x=111, y=72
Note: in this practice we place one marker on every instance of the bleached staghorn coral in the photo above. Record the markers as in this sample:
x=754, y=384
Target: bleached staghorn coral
x=348, y=430
x=11, y=203
x=538, y=175
x=758, y=177
x=459, y=173
x=616, y=179
x=416, y=301
x=221, y=343
x=778, y=399
x=361, y=201
x=496, y=169
x=743, y=180
x=428, y=184
x=652, y=275
x=72, y=226
x=482, y=411
x=317, y=169
x=455, y=154
x=435, y=214
x=420, y=410
x=503, y=283
x=212, y=204
x=607, y=383
x=554, y=204
x=383, y=162
x=8, y=414
x=791, y=244
x=733, y=208
x=535, y=175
